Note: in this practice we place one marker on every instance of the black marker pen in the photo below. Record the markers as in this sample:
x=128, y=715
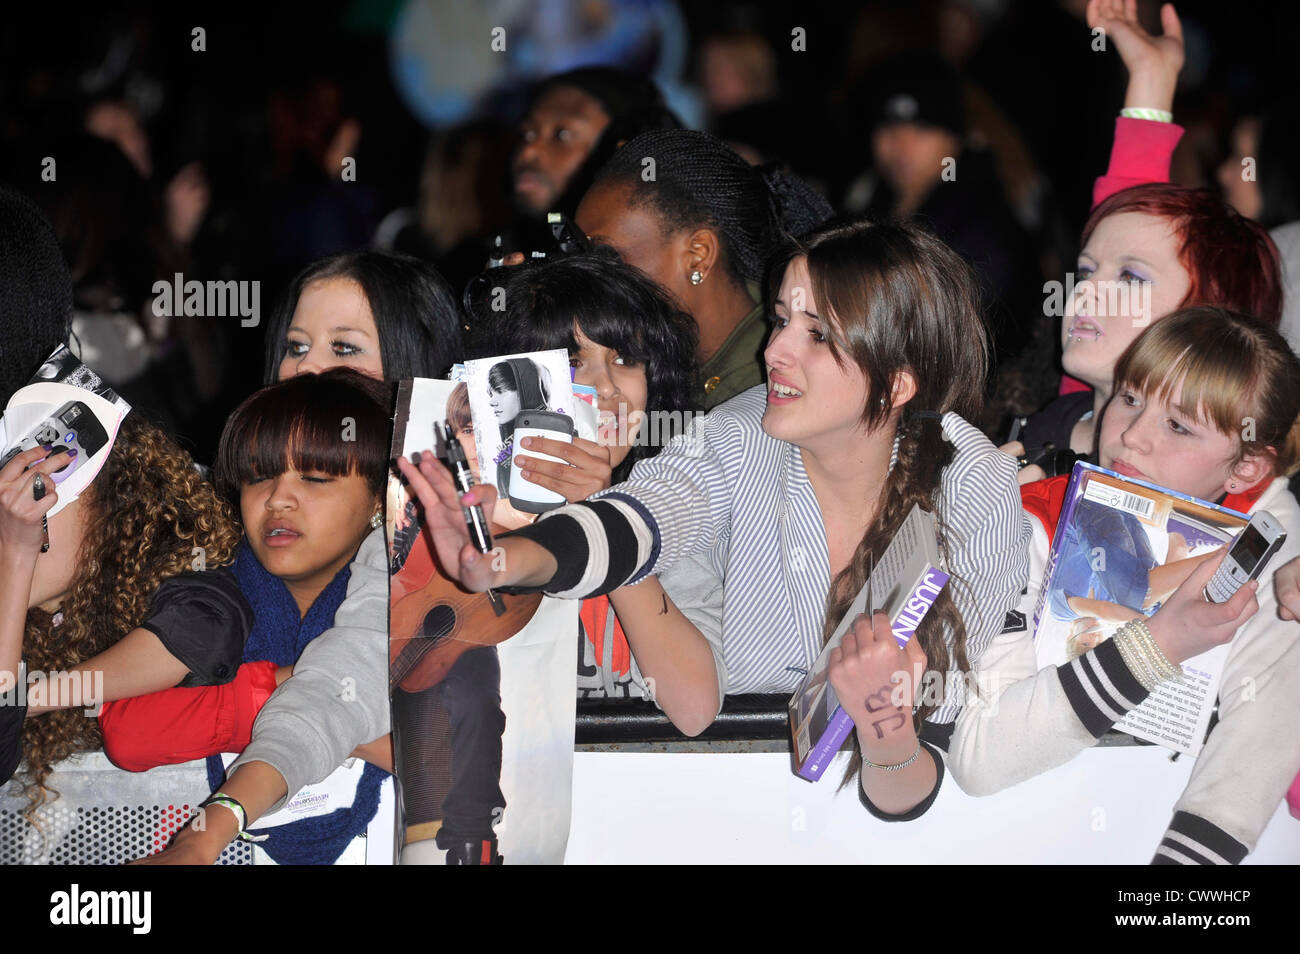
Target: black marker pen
x=480, y=535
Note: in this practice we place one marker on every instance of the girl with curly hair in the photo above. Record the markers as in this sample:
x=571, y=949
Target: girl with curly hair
x=109, y=591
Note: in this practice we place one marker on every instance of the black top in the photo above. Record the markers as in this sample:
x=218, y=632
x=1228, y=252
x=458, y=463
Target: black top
x=203, y=620
x=1055, y=423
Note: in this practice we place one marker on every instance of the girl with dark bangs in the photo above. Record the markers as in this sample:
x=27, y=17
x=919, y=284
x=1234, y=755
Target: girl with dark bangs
x=306, y=462
x=627, y=339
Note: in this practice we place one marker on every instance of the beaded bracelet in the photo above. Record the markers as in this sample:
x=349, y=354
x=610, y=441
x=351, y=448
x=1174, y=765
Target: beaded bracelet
x=1142, y=112
x=1143, y=656
x=237, y=809
x=867, y=763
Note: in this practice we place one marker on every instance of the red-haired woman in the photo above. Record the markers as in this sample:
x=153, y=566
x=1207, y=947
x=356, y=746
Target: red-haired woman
x=1149, y=247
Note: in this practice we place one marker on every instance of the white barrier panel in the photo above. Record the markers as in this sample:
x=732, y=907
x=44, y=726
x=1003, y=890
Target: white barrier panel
x=1107, y=806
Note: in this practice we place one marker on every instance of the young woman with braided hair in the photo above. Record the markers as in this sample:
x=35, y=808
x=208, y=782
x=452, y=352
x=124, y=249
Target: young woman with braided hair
x=689, y=212
x=876, y=355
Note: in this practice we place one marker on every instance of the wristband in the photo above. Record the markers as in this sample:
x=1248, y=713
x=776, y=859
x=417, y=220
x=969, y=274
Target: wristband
x=233, y=804
x=866, y=763
x=1151, y=115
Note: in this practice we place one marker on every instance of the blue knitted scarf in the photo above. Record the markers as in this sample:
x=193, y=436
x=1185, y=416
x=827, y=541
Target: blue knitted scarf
x=280, y=634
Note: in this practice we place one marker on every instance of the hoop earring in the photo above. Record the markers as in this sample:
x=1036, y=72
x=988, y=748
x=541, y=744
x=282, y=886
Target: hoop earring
x=697, y=277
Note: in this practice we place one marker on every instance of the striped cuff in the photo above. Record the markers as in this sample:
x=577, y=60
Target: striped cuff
x=560, y=535
x=647, y=533
x=1191, y=840
x=1151, y=115
x=1101, y=689
x=597, y=546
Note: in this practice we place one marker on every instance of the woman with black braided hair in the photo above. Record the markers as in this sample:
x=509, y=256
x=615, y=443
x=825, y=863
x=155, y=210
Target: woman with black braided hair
x=694, y=216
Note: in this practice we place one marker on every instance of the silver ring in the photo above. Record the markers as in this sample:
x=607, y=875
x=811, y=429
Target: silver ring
x=38, y=487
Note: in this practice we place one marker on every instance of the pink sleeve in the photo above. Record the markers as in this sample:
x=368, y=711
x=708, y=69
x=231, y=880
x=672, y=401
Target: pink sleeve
x=1140, y=154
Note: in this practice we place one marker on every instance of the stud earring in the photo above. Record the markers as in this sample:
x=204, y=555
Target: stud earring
x=376, y=520
x=1232, y=486
x=697, y=277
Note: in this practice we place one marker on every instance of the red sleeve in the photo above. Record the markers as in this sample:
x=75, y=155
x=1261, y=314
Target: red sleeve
x=177, y=725
x=1044, y=500
x=1140, y=154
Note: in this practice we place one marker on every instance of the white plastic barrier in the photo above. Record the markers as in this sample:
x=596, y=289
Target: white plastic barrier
x=1107, y=806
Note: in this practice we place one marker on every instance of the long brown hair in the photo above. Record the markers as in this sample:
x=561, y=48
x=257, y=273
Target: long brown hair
x=897, y=299
x=145, y=513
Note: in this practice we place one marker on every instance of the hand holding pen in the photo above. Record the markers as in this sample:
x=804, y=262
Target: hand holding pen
x=457, y=514
x=27, y=494
x=515, y=561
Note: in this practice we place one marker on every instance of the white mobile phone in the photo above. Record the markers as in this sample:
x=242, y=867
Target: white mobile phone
x=524, y=494
x=1247, y=557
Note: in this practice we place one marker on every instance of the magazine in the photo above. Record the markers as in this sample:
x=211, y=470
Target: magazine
x=903, y=585
x=1121, y=547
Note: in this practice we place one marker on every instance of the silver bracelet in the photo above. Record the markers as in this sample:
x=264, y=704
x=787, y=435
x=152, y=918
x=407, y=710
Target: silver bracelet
x=867, y=763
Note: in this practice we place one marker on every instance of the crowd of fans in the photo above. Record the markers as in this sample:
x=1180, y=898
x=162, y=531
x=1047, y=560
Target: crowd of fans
x=866, y=314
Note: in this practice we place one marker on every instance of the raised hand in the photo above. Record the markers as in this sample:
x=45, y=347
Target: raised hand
x=513, y=562
x=586, y=469
x=1188, y=625
x=1153, y=62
